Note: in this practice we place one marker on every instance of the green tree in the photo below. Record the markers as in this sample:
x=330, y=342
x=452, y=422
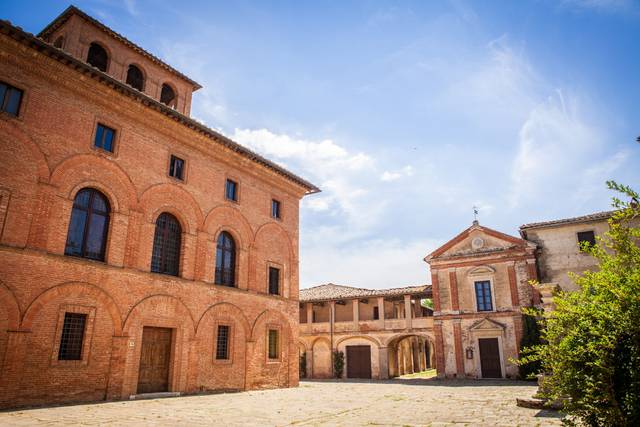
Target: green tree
x=530, y=338
x=338, y=363
x=592, y=338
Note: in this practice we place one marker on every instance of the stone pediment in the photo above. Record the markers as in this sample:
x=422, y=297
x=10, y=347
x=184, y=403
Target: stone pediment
x=478, y=240
x=487, y=324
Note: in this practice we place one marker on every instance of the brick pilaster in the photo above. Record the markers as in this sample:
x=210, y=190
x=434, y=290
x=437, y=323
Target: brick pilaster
x=435, y=289
x=440, y=359
x=453, y=285
x=457, y=337
x=513, y=286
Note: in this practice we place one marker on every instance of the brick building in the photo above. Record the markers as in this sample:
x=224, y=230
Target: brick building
x=140, y=251
x=382, y=333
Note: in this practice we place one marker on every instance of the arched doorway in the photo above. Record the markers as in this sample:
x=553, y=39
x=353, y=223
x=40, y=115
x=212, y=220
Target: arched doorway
x=409, y=354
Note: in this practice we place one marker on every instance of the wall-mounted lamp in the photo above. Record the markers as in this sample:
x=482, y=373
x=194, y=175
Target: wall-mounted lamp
x=469, y=352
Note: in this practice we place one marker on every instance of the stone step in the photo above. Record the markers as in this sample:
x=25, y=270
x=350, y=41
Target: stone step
x=154, y=395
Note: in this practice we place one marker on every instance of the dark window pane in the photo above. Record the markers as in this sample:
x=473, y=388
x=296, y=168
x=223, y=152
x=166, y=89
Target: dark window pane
x=275, y=209
x=165, y=257
x=222, y=343
x=76, y=233
x=225, y=260
x=483, y=296
x=108, y=140
x=98, y=57
x=273, y=344
x=99, y=136
x=232, y=190
x=72, y=336
x=13, y=101
x=376, y=313
x=588, y=237
x=104, y=137
x=176, y=167
x=274, y=281
x=89, y=224
x=10, y=98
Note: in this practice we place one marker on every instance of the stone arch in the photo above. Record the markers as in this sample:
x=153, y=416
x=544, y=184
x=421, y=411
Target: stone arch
x=272, y=244
x=321, y=360
x=10, y=304
x=85, y=170
x=107, y=50
x=405, y=357
x=363, y=337
x=313, y=343
x=223, y=218
x=303, y=344
x=12, y=131
x=172, y=303
x=399, y=337
x=153, y=202
x=237, y=311
x=69, y=288
x=264, y=316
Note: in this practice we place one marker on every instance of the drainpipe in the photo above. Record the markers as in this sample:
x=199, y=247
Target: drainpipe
x=332, y=315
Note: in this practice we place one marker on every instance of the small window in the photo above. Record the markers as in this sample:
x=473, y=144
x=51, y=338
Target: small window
x=176, y=168
x=222, y=343
x=135, y=78
x=274, y=281
x=376, y=313
x=98, y=57
x=168, y=96
x=72, y=336
x=105, y=137
x=10, y=99
x=231, y=190
x=483, y=296
x=275, y=209
x=588, y=237
x=273, y=344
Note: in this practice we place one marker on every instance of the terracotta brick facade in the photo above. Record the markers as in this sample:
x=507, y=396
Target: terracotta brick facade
x=47, y=156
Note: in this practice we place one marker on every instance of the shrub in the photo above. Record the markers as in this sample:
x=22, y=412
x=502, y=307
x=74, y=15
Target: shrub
x=338, y=363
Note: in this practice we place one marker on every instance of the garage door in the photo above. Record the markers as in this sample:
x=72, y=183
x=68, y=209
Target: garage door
x=358, y=361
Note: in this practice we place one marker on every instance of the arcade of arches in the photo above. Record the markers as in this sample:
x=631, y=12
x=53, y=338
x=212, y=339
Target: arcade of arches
x=382, y=333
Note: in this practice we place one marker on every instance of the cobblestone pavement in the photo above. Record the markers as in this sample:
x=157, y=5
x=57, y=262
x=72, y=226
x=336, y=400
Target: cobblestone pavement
x=326, y=403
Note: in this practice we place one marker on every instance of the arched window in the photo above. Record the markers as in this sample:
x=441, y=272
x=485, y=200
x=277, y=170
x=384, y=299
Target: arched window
x=226, y=260
x=168, y=96
x=98, y=57
x=59, y=42
x=87, y=236
x=135, y=78
x=165, y=258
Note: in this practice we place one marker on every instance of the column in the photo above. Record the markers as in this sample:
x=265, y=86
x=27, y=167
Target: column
x=407, y=311
x=309, y=363
x=381, y=311
x=435, y=290
x=453, y=285
x=383, y=362
x=439, y=349
x=309, y=307
x=457, y=338
x=356, y=314
x=332, y=321
x=513, y=285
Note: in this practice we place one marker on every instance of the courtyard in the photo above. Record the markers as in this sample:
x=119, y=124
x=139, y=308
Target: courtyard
x=399, y=402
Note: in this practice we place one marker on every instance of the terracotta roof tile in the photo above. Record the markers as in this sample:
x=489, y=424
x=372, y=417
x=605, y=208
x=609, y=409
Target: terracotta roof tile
x=584, y=218
x=332, y=291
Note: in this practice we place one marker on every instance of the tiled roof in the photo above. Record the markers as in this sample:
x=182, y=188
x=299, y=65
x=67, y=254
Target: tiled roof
x=72, y=10
x=597, y=216
x=332, y=291
x=48, y=49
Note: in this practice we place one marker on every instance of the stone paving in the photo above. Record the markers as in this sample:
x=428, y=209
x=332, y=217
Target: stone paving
x=316, y=403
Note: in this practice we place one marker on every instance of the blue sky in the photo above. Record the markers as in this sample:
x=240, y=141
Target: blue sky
x=407, y=114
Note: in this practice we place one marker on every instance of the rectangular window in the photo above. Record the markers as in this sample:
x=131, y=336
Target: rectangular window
x=10, y=99
x=274, y=281
x=72, y=336
x=176, y=167
x=483, y=296
x=104, y=137
x=222, y=343
x=586, y=236
x=273, y=343
x=275, y=209
x=376, y=313
x=231, y=190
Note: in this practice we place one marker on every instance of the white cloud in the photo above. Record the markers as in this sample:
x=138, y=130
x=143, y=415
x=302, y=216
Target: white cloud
x=388, y=176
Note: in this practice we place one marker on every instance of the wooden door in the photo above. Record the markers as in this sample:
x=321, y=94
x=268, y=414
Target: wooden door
x=490, y=358
x=358, y=361
x=154, y=360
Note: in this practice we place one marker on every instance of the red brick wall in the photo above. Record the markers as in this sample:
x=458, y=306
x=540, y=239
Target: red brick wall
x=46, y=157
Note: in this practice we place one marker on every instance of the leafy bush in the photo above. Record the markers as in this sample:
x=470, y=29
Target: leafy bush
x=303, y=365
x=592, y=337
x=530, y=338
x=338, y=363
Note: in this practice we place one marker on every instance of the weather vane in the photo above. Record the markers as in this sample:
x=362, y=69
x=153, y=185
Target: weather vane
x=475, y=213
